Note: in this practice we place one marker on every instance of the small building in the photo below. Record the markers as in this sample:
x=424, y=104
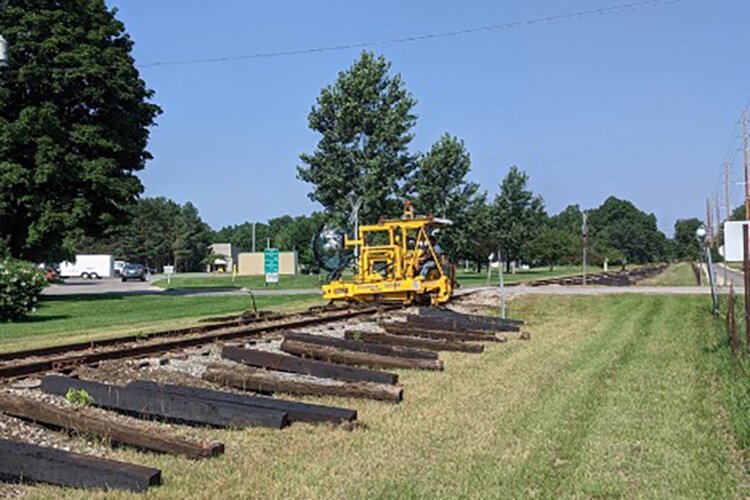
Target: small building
x=252, y=263
x=225, y=258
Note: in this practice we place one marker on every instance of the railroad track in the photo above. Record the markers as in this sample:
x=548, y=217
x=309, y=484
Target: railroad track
x=67, y=357
x=615, y=278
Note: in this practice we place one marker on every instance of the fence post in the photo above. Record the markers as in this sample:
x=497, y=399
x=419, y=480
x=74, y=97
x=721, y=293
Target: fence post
x=734, y=338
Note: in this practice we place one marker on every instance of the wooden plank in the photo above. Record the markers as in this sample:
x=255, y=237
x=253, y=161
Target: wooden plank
x=381, y=350
x=403, y=328
x=416, y=342
x=253, y=379
x=451, y=324
x=432, y=312
x=298, y=412
x=167, y=407
x=293, y=364
x=345, y=356
x=83, y=422
x=22, y=462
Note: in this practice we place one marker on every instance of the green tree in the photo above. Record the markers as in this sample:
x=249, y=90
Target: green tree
x=365, y=120
x=686, y=245
x=551, y=245
x=440, y=187
x=192, y=239
x=618, y=225
x=74, y=125
x=517, y=216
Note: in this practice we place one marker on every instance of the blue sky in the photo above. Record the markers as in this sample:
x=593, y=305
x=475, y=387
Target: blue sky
x=638, y=104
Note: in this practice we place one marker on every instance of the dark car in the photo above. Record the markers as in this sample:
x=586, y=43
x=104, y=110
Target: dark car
x=133, y=272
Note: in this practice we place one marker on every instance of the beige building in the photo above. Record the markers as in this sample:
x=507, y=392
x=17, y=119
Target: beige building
x=252, y=263
x=226, y=258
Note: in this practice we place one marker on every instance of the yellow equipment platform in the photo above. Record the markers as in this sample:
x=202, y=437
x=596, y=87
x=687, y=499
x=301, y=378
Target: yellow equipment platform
x=391, y=263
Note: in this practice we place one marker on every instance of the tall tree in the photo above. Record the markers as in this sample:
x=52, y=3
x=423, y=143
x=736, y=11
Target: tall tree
x=74, y=124
x=440, y=187
x=686, y=245
x=517, y=216
x=620, y=226
x=365, y=120
x=192, y=239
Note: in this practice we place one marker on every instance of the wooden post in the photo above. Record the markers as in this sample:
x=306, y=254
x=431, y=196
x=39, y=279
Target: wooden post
x=734, y=339
x=746, y=267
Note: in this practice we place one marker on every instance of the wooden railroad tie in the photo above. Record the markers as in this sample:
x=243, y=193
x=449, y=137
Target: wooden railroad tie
x=23, y=462
x=258, y=380
x=415, y=342
x=167, y=406
x=84, y=422
x=293, y=364
x=298, y=412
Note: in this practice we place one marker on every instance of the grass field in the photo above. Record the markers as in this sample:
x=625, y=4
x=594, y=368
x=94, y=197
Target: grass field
x=679, y=274
x=471, y=278
x=614, y=396
x=62, y=320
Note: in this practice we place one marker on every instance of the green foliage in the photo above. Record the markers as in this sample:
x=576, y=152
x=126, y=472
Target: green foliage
x=159, y=232
x=286, y=233
x=552, y=246
x=365, y=120
x=74, y=120
x=439, y=187
x=20, y=286
x=79, y=397
x=517, y=216
x=622, y=232
x=685, y=244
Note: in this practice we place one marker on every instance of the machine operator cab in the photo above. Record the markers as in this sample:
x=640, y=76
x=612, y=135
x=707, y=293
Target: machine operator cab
x=397, y=260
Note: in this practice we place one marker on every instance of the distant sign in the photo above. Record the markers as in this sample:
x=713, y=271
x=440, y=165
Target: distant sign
x=168, y=269
x=271, y=264
x=733, y=247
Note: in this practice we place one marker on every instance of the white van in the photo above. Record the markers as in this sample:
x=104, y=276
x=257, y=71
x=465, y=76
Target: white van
x=89, y=267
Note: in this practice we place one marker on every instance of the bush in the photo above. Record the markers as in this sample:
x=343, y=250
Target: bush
x=20, y=286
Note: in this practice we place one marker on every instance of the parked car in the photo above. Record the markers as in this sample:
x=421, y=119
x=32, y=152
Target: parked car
x=119, y=265
x=133, y=272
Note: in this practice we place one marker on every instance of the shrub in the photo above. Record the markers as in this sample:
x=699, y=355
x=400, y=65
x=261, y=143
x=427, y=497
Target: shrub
x=20, y=286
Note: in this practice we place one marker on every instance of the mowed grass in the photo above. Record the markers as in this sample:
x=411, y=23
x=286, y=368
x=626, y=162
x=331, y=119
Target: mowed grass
x=679, y=274
x=61, y=320
x=295, y=281
x=472, y=278
x=614, y=396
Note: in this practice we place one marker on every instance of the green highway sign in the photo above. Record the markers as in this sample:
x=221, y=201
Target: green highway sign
x=271, y=264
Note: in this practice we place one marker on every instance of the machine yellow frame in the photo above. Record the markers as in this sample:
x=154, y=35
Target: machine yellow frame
x=390, y=261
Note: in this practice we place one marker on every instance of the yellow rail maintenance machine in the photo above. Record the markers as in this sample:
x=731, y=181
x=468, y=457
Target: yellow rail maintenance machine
x=398, y=261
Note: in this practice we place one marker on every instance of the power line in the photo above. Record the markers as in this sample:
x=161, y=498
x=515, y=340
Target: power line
x=427, y=36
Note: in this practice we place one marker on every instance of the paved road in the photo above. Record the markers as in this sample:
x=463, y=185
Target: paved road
x=78, y=286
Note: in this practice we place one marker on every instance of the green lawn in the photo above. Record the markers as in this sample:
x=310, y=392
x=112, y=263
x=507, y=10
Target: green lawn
x=619, y=396
x=471, y=278
x=251, y=282
x=61, y=320
x=679, y=274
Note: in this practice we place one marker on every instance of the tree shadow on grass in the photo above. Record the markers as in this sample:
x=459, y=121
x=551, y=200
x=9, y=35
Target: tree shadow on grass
x=38, y=319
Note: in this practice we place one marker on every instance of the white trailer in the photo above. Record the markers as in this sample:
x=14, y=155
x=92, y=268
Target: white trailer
x=89, y=267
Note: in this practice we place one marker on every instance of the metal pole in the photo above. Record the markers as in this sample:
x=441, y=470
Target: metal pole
x=746, y=164
x=502, y=284
x=253, y=237
x=729, y=216
x=584, y=236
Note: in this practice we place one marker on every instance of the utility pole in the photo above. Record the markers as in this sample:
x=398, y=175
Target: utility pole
x=585, y=241
x=709, y=229
x=253, y=237
x=729, y=215
x=746, y=164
